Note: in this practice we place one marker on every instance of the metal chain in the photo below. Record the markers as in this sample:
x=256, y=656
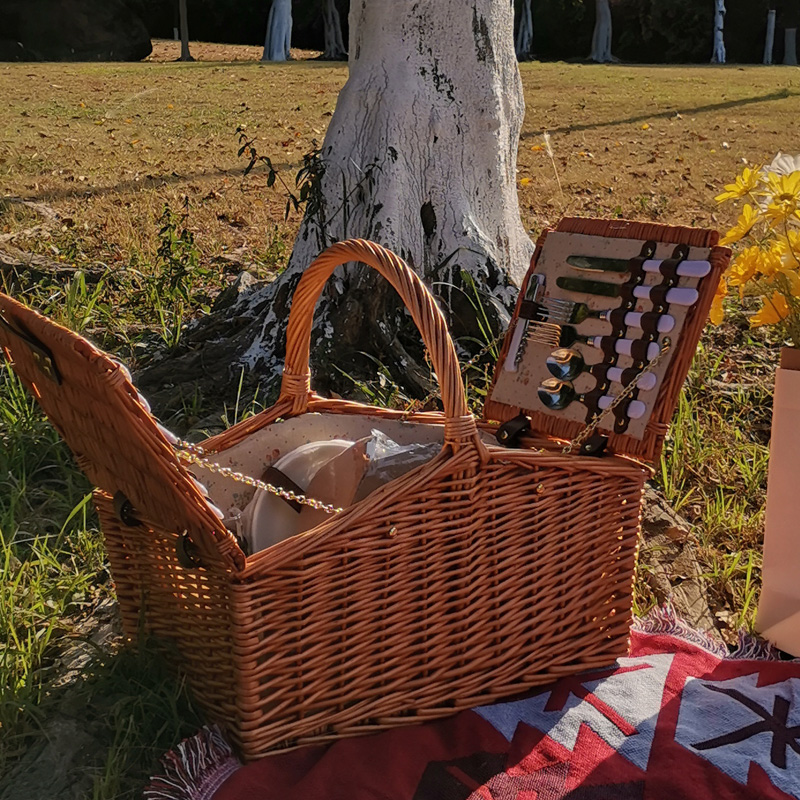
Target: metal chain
x=620, y=398
x=196, y=455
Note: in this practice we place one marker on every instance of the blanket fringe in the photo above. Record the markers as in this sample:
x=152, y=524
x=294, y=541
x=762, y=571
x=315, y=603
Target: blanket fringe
x=195, y=769
x=665, y=620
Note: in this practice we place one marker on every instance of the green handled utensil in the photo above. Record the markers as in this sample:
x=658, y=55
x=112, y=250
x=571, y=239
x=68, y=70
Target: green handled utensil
x=679, y=296
x=686, y=269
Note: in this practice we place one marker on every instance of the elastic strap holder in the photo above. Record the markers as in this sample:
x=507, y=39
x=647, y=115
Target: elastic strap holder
x=530, y=310
x=592, y=402
x=649, y=323
x=621, y=418
x=600, y=373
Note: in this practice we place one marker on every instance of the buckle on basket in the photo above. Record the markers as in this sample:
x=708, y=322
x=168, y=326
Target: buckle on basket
x=594, y=446
x=509, y=433
x=186, y=550
x=125, y=511
x=42, y=357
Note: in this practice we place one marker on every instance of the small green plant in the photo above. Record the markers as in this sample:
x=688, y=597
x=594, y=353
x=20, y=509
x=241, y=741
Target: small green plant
x=177, y=286
x=308, y=181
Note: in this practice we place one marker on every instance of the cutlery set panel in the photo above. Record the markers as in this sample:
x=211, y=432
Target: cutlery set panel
x=597, y=315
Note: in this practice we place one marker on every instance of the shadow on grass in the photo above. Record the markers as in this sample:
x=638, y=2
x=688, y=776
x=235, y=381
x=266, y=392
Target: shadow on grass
x=100, y=736
x=783, y=94
x=150, y=182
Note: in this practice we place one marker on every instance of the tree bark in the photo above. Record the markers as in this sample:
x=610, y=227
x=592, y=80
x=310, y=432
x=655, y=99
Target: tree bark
x=601, y=38
x=790, y=49
x=769, y=41
x=184, y=22
x=420, y=156
x=278, y=39
x=718, y=55
x=334, y=43
x=524, y=40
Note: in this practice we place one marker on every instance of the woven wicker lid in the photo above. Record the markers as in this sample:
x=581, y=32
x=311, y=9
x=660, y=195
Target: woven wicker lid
x=116, y=442
x=648, y=447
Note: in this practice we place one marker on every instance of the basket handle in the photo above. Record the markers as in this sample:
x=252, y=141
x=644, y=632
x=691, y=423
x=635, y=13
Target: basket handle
x=460, y=427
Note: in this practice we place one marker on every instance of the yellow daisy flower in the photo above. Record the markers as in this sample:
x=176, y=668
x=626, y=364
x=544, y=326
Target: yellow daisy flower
x=747, y=219
x=745, y=266
x=793, y=280
x=787, y=248
x=741, y=187
x=782, y=197
x=770, y=263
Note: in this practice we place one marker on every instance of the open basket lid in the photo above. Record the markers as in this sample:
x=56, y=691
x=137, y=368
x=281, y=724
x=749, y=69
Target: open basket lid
x=91, y=402
x=588, y=243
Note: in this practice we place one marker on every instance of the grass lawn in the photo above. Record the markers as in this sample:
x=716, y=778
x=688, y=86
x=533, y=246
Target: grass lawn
x=109, y=146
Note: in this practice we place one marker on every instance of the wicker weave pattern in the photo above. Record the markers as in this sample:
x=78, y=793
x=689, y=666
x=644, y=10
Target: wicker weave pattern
x=115, y=440
x=478, y=575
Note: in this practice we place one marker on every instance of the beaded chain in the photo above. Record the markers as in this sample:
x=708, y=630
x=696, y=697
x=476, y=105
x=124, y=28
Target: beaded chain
x=196, y=455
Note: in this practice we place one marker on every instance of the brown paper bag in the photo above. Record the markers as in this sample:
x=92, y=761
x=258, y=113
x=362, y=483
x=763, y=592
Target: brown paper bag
x=779, y=607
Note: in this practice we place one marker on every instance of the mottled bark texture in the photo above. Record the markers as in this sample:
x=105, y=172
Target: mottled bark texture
x=769, y=39
x=334, y=43
x=718, y=54
x=523, y=43
x=601, y=38
x=278, y=38
x=184, y=25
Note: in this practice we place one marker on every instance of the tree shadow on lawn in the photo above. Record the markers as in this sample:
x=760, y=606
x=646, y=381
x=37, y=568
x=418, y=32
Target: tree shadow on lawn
x=150, y=182
x=783, y=94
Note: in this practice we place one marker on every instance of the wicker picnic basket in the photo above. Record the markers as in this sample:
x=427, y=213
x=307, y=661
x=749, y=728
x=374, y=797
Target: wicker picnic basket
x=479, y=575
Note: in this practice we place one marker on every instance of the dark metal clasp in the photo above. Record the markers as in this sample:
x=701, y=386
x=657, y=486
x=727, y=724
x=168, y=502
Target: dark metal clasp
x=42, y=357
x=509, y=433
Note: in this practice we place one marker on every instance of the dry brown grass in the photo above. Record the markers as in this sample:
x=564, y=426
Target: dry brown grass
x=108, y=144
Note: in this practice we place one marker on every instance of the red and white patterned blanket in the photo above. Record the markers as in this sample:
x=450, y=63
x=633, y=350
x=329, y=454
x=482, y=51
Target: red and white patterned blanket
x=678, y=718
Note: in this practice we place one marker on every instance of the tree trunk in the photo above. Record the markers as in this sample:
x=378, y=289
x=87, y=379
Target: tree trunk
x=601, y=38
x=334, y=43
x=718, y=56
x=420, y=156
x=184, y=21
x=790, y=49
x=524, y=40
x=769, y=41
x=279, y=32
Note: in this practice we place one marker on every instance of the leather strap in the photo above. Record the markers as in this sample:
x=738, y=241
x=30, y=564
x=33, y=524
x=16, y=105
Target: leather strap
x=283, y=481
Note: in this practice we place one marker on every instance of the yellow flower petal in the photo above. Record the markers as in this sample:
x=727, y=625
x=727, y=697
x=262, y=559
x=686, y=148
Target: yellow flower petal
x=717, y=311
x=747, y=219
x=745, y=266
x=775, y=309
x=742, y=186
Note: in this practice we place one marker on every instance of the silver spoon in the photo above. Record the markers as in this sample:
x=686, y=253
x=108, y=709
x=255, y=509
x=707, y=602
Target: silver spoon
x=557, y=395
x=567, y=364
